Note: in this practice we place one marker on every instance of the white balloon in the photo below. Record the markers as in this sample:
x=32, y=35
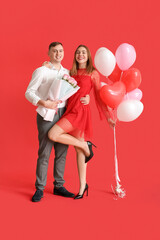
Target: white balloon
x=100, y=49
x=105, y=61
x=129, y=110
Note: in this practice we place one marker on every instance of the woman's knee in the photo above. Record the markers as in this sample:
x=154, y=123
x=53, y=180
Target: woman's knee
x=52, y=135
x=78, y=150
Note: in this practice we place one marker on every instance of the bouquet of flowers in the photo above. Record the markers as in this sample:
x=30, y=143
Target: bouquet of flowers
x=60, y=89
x=70, y=80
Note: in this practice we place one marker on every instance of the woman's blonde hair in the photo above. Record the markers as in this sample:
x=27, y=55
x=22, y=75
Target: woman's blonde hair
x=75, y=66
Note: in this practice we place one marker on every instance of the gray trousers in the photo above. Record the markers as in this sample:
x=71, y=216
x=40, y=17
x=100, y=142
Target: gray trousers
x=45, y=147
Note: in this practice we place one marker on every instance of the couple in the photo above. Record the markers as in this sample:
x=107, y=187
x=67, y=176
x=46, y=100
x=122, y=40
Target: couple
x=75, y=125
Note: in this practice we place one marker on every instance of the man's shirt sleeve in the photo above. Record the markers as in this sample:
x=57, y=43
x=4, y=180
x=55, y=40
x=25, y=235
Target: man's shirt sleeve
x=31, y=92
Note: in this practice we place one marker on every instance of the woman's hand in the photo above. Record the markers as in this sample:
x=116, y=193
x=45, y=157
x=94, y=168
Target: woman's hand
x=85, y=100
x=111, y=123
x=47, y=64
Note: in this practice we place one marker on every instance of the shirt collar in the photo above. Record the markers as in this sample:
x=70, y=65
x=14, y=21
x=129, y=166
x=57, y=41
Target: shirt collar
x=53, y=67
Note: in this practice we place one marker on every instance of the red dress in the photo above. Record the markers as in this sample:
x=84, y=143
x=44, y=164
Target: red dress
x=77, y=118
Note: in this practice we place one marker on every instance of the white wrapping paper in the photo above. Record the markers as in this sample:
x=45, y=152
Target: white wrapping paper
x=61, y=90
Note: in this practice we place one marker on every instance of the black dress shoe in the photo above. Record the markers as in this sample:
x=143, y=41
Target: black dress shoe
x=63, y=192
x=37, y=196
x=78, y=196
x=90, y=144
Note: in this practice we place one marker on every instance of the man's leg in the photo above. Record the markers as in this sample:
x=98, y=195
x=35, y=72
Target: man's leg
x=45, y=147
x=59, y=165
x=60, y=158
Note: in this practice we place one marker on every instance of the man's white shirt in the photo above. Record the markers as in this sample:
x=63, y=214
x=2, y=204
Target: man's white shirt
x=41, y=82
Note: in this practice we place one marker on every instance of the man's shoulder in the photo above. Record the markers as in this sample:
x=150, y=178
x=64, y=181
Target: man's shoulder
x=40, y=71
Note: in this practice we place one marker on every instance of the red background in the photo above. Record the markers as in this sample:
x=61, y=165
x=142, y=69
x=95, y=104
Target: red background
x=27, y=29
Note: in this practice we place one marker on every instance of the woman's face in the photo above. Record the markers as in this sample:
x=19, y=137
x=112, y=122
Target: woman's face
x=81, y=55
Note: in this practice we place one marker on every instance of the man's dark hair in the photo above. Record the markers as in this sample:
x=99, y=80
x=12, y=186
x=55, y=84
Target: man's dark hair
x=53, y=44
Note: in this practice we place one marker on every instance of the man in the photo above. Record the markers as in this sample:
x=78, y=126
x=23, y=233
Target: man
x=36, y=93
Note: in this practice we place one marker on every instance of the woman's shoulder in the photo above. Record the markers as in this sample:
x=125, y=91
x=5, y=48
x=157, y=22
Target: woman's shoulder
x=95, y=74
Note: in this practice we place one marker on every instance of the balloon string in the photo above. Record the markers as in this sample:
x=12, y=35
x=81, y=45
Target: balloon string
x=115, y=158
x=127, y=96
x=121, y=76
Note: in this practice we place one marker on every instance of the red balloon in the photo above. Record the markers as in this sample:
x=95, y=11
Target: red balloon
x=113, y=94
x=116, y=74
x=131, y=78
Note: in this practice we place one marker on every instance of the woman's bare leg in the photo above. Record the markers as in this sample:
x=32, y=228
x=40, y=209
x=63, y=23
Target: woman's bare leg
x=82, y=168
x=57, y=134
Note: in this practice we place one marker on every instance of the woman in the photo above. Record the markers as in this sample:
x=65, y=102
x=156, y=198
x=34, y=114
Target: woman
x=75, y=125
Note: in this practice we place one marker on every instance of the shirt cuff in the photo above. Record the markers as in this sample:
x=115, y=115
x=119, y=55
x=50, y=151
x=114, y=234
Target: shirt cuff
x=35, y=101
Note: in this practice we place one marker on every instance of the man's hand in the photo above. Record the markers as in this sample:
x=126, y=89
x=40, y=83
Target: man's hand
x=111, y=123
x=52, y=104
x=85, y=100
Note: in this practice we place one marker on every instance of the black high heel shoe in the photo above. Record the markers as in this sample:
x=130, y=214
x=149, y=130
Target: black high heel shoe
x=90, y=144
x=78, y=196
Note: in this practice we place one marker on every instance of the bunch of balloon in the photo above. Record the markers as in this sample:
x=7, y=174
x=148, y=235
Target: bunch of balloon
x=122, y=95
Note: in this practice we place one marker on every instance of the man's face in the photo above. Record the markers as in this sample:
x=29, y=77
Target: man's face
x=56, y=54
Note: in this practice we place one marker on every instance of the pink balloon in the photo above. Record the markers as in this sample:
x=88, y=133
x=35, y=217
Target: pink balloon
x=135, y=94
x=125, y=56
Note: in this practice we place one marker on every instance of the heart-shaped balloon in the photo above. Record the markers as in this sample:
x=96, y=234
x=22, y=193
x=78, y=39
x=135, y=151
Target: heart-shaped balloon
x=131, y=78
x=113, y=94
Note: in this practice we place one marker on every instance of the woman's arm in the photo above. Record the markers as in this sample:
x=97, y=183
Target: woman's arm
x=102, y=108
